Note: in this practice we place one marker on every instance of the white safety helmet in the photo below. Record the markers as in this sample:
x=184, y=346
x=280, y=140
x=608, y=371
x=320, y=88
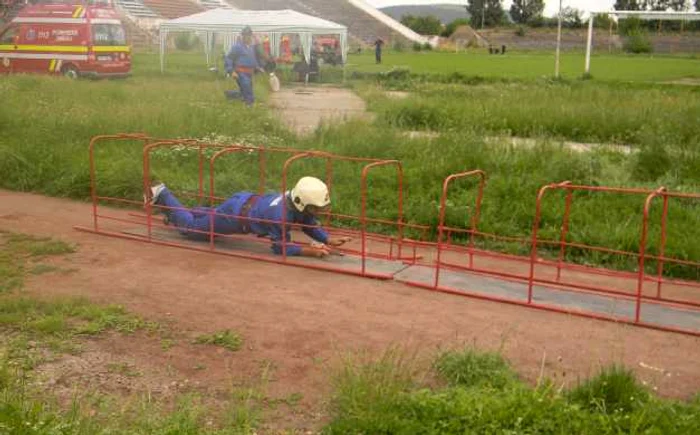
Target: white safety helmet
x=310, y=191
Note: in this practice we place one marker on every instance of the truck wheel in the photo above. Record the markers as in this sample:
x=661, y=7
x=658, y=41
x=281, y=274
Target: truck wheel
x=70, y=71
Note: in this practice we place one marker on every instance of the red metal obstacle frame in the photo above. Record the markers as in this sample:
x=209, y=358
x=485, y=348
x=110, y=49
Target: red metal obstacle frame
x=377, y=241
x=534, y=275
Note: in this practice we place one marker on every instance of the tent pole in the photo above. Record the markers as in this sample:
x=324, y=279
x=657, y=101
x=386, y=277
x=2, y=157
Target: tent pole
x=163, y=37
x=207, y=48
x=589, y=44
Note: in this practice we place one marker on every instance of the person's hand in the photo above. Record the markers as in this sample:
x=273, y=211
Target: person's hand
x=339, y=241
x=318, y=250
x=234, y=75
x=260, y=70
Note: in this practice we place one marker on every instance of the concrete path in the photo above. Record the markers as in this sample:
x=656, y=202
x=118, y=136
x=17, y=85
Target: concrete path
x=304, y=108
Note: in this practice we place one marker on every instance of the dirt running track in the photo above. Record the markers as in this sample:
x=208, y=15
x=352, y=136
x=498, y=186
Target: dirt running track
x=296, y=318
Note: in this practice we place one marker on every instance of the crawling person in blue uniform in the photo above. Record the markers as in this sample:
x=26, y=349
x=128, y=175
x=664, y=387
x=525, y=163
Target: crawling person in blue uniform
x=303, y=203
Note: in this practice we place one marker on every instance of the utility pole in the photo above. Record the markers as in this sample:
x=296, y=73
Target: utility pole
x=556, y=61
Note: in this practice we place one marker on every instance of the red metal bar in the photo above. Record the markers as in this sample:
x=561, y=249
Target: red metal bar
x=285, y=170
x=147, y=183
x=477, y=213
x=93, y=175
x=363, y=193
x=232, y=254
x=262, y=167
x=147, y=171
x=606, y=189
x=572, y=266
x=212, y=162
x=574, y=288
x=642, y=250
x=662, y=247
x=592, y=248
x=545, y=262
x=682, y=195
x=674, y=260
x=443, y=204
x=553, y=308
x=329, y=183
x=564, y=231
x=535, y=227
x=201, y=173
x=424, y=228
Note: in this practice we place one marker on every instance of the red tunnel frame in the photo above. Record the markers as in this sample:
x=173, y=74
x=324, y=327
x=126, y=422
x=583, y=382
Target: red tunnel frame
x=149, y=144
x=531, y=278
x=444, y=238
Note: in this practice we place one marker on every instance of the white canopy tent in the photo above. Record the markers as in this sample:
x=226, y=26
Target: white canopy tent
x=230, y=23
x=642, y=15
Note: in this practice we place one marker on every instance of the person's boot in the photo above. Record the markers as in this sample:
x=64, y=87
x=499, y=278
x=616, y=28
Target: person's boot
x=155, y=191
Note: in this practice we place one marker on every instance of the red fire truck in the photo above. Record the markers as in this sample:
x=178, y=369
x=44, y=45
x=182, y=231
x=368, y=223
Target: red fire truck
x=74, y=40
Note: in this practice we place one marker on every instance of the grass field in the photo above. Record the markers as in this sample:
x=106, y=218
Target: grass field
x=530, y=65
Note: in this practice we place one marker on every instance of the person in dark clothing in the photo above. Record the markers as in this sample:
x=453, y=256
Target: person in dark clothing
x=378, y=50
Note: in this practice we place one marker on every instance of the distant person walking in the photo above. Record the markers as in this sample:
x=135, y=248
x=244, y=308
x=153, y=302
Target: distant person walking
x=378, y=50
x=241, y=62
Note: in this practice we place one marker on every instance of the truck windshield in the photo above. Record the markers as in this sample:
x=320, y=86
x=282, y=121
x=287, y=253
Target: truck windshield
x=108, y=34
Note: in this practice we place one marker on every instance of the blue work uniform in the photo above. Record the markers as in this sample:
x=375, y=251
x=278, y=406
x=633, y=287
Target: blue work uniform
x=244, y=60
x=195, y=223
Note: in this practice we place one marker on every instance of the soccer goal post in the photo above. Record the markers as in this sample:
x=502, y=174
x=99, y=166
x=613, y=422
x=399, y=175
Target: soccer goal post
x=642, y=15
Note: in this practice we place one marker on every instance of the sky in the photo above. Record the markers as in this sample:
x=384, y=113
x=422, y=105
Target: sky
x=551, y=6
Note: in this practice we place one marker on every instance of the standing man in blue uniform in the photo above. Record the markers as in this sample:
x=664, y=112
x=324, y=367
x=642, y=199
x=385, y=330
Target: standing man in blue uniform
x=308, y=198
x=241, y=62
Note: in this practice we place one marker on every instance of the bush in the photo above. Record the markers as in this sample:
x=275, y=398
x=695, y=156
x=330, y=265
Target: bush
x=429, y=25
x=615, y=389
x=399, y=46
x=417, y=46
x=427, y=47
x=186, y=41
x=630, y=26
x=471, y=369
x=520, y=31
x=602, y=21
x=638, y=43
x=397, y=74
x=651, y=163
x=451, y=27
x=542, y=21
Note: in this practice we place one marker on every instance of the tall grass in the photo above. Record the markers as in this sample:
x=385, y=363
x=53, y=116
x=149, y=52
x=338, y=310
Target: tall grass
x=579, y=111
x=46, y=122
x=515, y=175
x=480, y=394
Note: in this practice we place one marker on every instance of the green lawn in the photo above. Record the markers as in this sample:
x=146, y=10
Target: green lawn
x=529, y=65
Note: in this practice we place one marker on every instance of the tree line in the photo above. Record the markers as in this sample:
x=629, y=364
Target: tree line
x=491, y=13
